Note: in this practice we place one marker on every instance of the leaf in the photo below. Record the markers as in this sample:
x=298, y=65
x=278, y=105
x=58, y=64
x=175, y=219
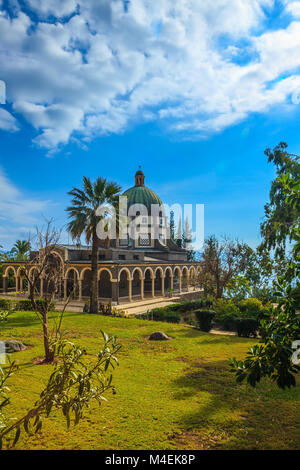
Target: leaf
x=17, y=435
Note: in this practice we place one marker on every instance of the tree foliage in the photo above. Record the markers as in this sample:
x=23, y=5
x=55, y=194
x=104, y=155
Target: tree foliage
x=280, y=217
x=72, y=386
x=221, y=262
x=274, y=357
x=84, y=220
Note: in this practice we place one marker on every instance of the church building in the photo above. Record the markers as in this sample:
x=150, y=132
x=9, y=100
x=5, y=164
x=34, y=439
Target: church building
x=133, y=267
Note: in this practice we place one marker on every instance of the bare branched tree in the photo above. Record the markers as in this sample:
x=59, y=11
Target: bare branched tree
x=44, y=273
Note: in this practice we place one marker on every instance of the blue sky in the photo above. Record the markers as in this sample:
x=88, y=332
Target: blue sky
x=192, y=93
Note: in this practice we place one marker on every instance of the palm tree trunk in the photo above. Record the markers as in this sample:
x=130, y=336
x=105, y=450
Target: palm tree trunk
x=94, y=279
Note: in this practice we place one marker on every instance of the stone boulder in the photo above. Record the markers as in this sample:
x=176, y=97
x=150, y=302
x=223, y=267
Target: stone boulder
x=158, y=336
x=12, y=345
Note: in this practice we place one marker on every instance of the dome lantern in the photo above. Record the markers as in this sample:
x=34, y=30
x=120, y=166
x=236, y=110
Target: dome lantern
x=139, y=178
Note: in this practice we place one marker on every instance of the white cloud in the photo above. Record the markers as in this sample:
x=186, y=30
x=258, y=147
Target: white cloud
x=294, y=9
x=18, y=213
x=176, y=61
x=7, y=121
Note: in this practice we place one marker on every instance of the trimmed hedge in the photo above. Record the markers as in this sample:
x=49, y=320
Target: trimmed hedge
x=21, y=304
x=205, y=319
x=161, y=314
x=247, y=327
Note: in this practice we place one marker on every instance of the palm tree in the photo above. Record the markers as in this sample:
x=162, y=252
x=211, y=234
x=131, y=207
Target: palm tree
x=21, y=249
x=83, y=216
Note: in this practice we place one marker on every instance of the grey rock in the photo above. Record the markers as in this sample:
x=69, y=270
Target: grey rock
x=158, y=336
x=12, y=345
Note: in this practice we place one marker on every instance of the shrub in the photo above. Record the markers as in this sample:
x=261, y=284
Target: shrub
x=5, y=304
x=228, y=322
x=226, y=313
x=205, y=319
x=247, y=327
x=22, y=304
x=252, y=308
x=163, y=314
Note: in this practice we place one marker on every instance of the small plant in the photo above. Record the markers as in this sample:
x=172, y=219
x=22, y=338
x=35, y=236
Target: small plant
x=71, y=387
x=205, y=319
x=247, y=327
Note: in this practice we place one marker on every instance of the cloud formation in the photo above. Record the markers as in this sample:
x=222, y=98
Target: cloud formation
x=92, y=67
x=18, y=213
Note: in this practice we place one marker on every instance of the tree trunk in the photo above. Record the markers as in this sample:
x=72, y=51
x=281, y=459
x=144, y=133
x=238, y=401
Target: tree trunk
x=49, y=353
x=94, y=277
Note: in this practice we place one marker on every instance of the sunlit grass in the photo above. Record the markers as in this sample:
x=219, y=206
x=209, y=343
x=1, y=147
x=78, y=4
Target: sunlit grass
x=170, y=394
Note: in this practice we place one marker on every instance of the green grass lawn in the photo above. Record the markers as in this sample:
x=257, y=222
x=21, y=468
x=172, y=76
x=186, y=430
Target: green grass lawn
x=177, y=394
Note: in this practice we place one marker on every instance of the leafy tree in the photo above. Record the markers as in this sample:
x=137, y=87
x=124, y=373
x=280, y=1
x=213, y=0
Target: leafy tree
x=238, y=288
x=274, y=357
x=280, y=218
x=20, y=250
x=221, y=262
x=84, y=219
x=71, y=387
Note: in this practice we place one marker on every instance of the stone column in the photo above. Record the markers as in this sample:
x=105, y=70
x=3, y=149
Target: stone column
x=153, y=286
x=163, y=286
x=180, y=285
x=65, y=289
x=79, y=289
x=130, y=290
x=142, y=288
x=114, y=291
x=5, y=283
x=17, y=283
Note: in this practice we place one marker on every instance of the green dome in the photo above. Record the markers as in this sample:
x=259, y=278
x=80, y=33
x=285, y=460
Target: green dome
x=141, y=195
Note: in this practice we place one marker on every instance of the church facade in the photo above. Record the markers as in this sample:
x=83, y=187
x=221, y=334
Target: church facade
x=133, y=267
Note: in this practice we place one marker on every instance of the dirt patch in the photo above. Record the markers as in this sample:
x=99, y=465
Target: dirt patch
x=193, y=441
x=38, y=361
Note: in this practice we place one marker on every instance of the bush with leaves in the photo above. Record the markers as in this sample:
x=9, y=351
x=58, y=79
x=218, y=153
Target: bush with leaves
x=273, y=358
x=246, y=327
x=253, y=308
x=205, y=319
x=71, y=387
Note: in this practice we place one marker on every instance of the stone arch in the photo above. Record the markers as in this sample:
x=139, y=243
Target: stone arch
x=158, y=280
x=192, y=271
x=104, y=283
x=83, y=272
x=11, y=276
x=149, y=270
x=176, y=278
x=127, y=272
x=139, y=271
x=136, y=288
x=149, y=275
x=72, y=269
x=104, y=269
x=185, y=278
x=168, y=278
x=168, y=268
x=6, y=273
x=124, y=280
x=72, y=278
x=85, y=277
